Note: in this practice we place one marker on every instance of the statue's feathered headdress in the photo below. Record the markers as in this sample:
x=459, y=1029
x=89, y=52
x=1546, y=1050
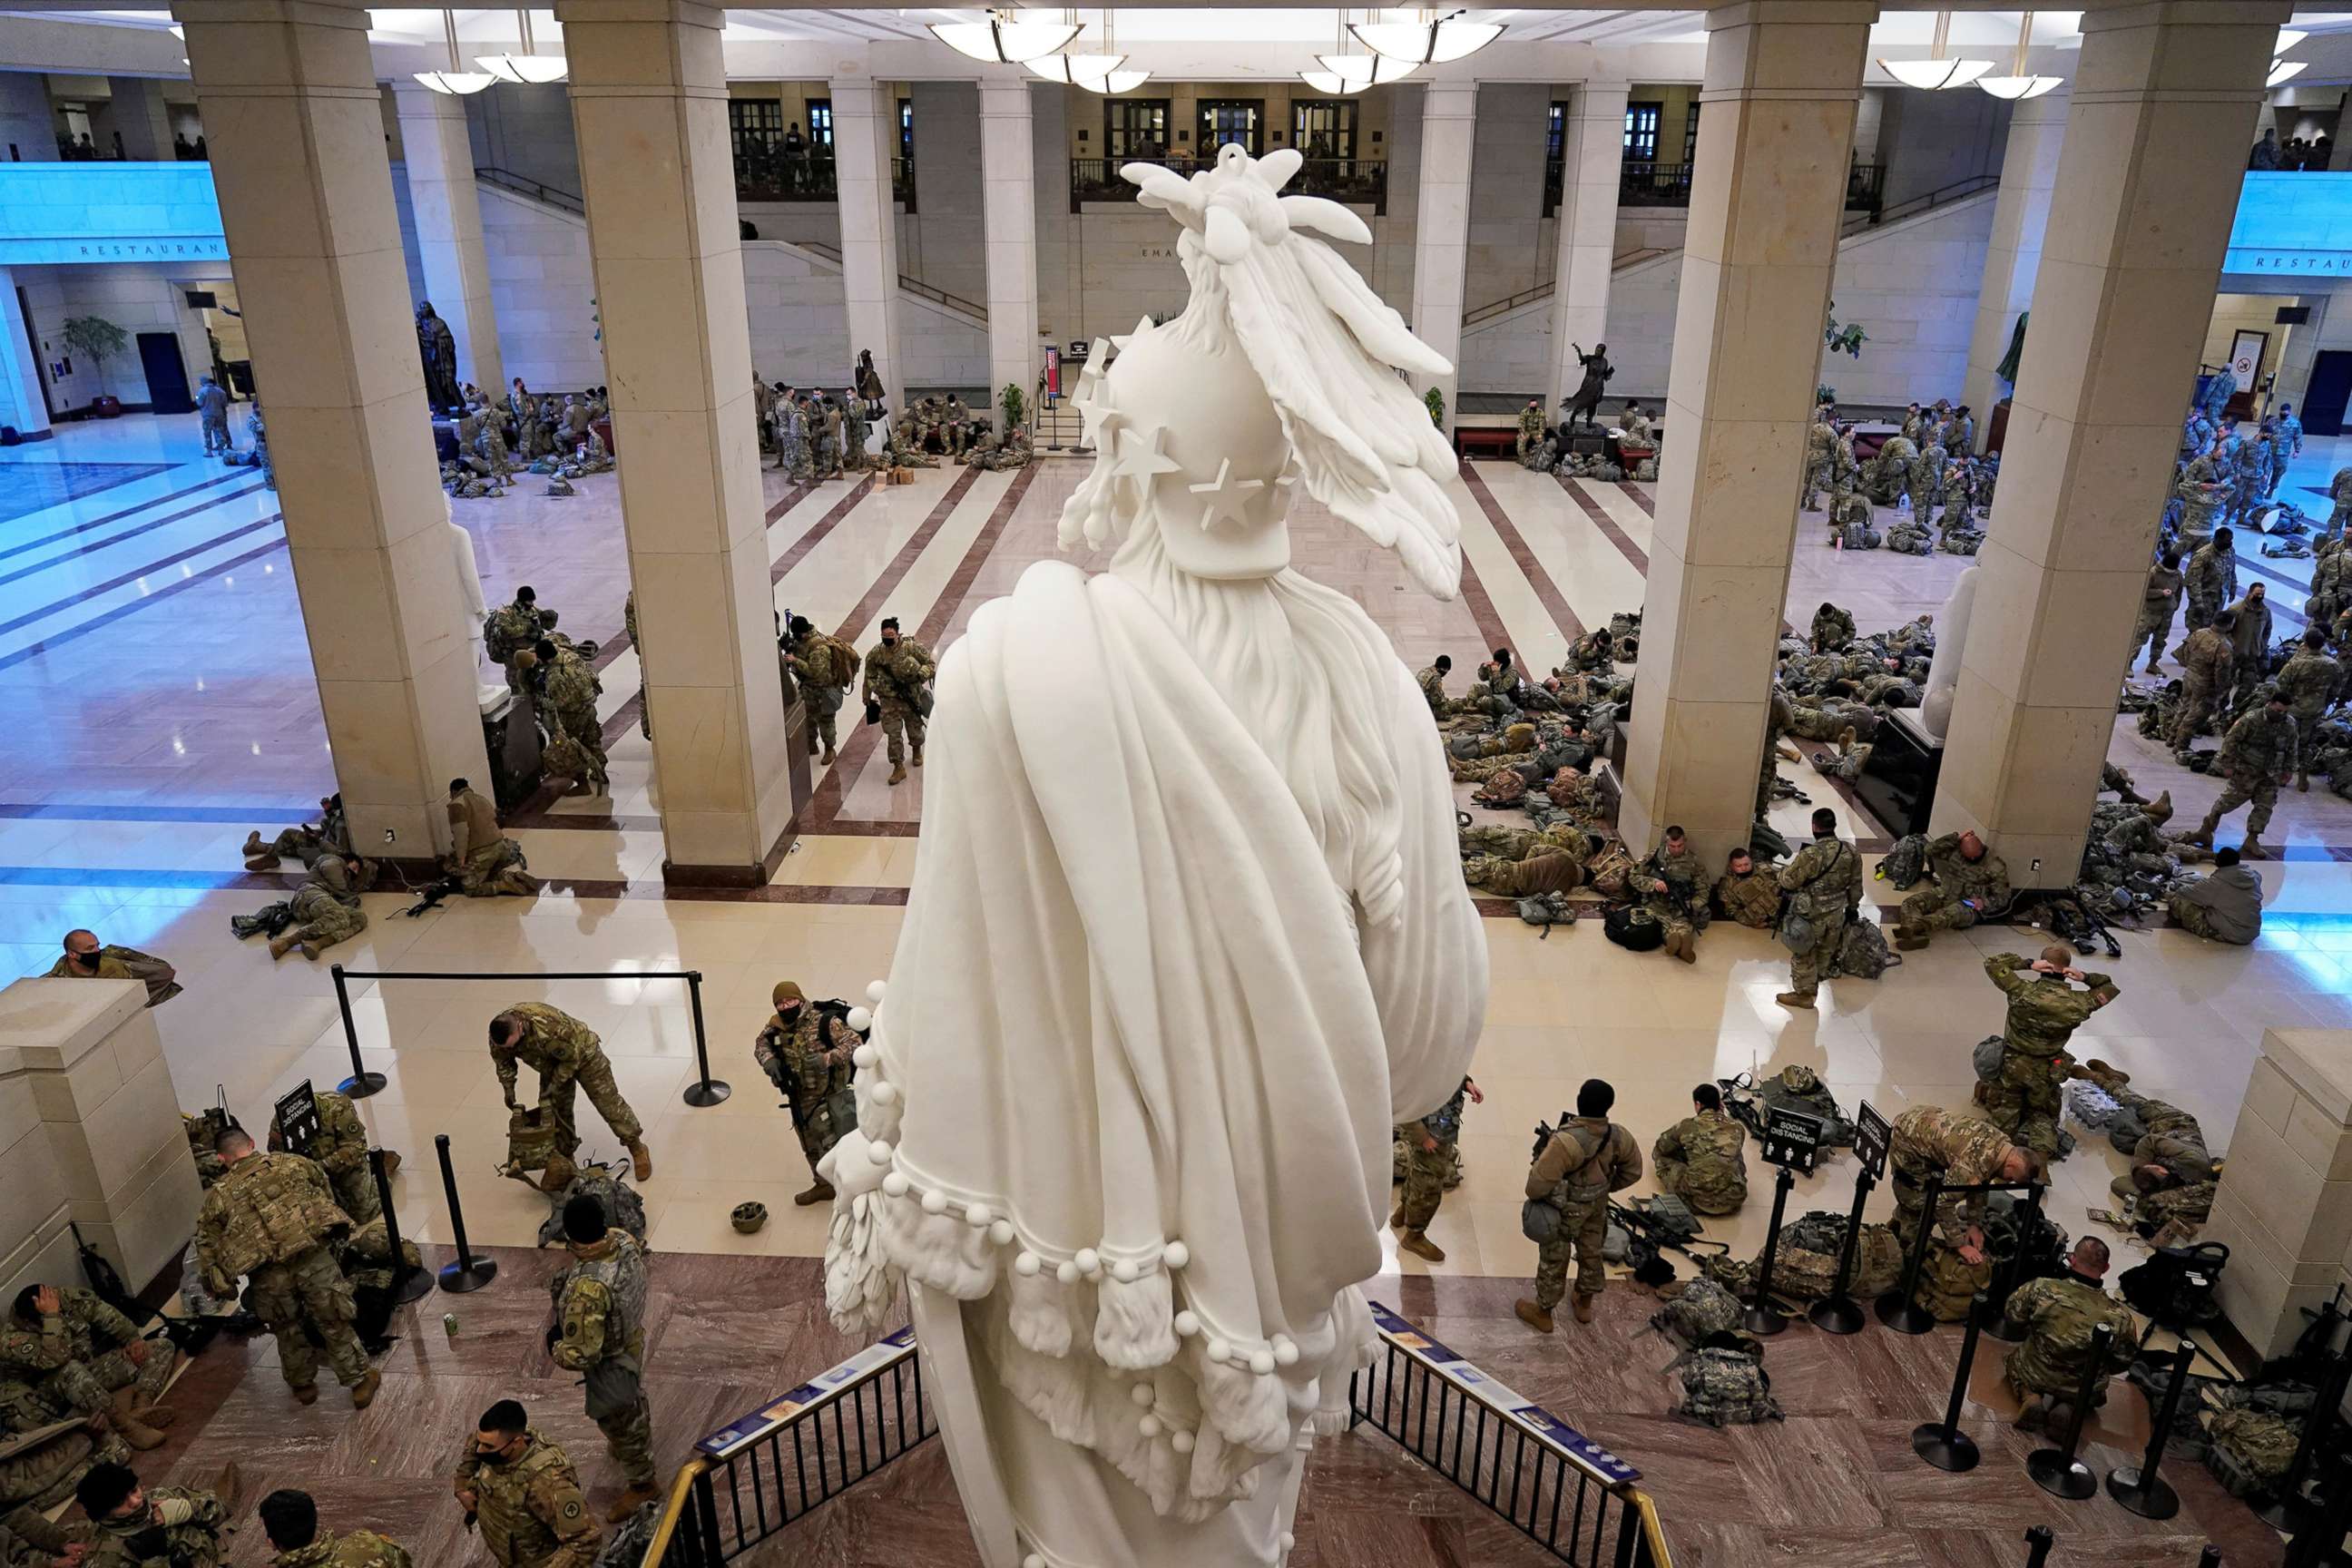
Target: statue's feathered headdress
x=1326, y=348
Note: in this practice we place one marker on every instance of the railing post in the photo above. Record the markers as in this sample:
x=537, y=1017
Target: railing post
x=1996, y=1321
x=2038, y=1542
x=2141, y=1490
x=706, y=1522
x=1943, y=1444
x=2057, y=1470
x=1899, y=1308
x=706, y=1090
x=407, y=1284
x=362, y=1083
x=468, y=1272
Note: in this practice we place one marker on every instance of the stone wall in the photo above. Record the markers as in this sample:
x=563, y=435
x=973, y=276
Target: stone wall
x=28, y=129
x=1507, y=252
x=137, y=296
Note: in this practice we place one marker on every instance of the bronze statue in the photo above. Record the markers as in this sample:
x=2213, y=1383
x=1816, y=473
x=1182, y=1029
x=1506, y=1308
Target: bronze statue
x=439, y=350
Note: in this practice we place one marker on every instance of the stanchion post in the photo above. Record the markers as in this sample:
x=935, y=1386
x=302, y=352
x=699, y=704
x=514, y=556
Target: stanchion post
x=467, y=1272
x=1995, y=1322
x=2209, y=1558
x=2038, y=1542
x=2056, y=1470
x=2287, y=1510
x=2320, y=1541
x=362, y=1083
x=705, y=1091
x=1942, y=1443
x=1760, y=1319
x=407, y=1284
x=2140, y=1489
x=1899, y=1308
x=1838, y=1312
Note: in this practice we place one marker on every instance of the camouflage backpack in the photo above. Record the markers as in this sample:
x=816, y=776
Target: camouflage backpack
x=1606, y=872
x=1805, y=1266
x=1861, y=952
x=1695, y=1309
x=1724, y=1383
x=1506, y=788
x=2249, y=1451
x=1796, y=1087
x=530, y=1141
x=1546, y=910
x=1859, y=536
x=622, y=1205
x=1906, y=860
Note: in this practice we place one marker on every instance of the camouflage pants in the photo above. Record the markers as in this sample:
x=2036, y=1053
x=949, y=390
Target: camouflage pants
x=2034, y=1369
x=1582, y=1232
x=1425, y=1182
x=1805, y=968
x=1948, y=1282
x=2150, y=631
x=2025, y=1101
x=1510, y=878
x=1716, y=1189
x=496, y=870
x=1478, y=770
x=1919, y=484
x=89, y=1387
x=1819, y=474
x=356, y=1192
x=824, y=717
x=901, y=727
x=581, y=724
x=801, y=470
x=817, y=1138
x=322, y=919
x=2194, y=919
x=1936, y=909
x=595, y=1076
x=2191, y=1204
x=2200, y=609
x=217, y=436
x=2195, y=708
x=628, y=1434
x=308, y=1295
x=2241, y=788
x=2336, y=518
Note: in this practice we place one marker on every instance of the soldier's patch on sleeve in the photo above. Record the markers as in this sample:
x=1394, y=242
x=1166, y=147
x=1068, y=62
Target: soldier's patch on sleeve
x=572, y=1508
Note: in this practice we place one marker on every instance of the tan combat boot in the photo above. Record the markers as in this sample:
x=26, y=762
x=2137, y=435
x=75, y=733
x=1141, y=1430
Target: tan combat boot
x=897, y=772
x=363, y=1391
x=1396, y=1217
x=629, y=1501
x=1421, y=1247
x=825, y=760
x=1910, y=938
x=644, y=1159
x=282, y=944
x=135, y=1432
x=1793, y=999
x=2250, y=849
x=918, y=758
x=1583, y=1307
x=1687, y=947
x=254, y=847
x=821, y=1193
x=1533, y=1316
x=308, y=1394
x=2302, y=781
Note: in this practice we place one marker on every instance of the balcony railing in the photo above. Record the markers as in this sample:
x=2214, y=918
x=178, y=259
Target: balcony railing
x=768, y=170
x=1654, y=186
x=1360, y=181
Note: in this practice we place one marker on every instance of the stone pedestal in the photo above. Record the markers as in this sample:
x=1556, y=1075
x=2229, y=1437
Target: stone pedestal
x=440, y=164
x=1594, y=158
x=89, y=1133
x=1449, y=122
x=2285, y=1205
x=2021, y=214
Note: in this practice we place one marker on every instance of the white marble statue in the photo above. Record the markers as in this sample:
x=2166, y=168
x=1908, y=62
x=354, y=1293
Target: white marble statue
x=1187, y=933
x=1943, y=683
x=471, y=606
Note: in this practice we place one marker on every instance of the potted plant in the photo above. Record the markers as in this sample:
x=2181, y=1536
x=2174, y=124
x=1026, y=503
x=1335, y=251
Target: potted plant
x=1015, y=406
x=1434, y=400
x=98, y=340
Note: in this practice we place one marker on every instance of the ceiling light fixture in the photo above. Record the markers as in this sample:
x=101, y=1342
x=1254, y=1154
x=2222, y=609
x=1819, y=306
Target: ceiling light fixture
x=2289, y=37
x=528, y=68
x=1001, y=41
x=452, y=81
x=1077, y=71
x=1430, y=41
x=2021, y=83
x=1344, y=73
x=1934, y=74
x=1112, y=79
x=2283, y=71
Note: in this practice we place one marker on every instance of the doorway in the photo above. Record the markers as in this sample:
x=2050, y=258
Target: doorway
x=1225, y=119
x=40, y=365
x=2326, y=393
x=167, y=374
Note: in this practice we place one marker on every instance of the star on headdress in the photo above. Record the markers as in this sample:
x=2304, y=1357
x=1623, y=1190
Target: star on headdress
x=1136, y=455
x=1096, y=409
x=1226, y=497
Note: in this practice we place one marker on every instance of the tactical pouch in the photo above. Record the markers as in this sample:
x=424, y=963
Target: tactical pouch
x=531, y=1141
x=1540, y=1221
x=614, y=1388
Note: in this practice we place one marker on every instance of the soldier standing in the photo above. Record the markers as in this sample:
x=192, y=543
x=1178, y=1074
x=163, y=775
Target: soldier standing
x=175, y=1526
x=1531, y=428
x=1429, y=1149
x=896, y=669
x=2205, y=661
x=805, y=1051
x=290, y=1519
x=2211, y=578
x=2257, y=755
x=1585, y=1159
x=2159, y=601
x=2045, y=1011
x=2308, y=682
x=80, y=1357
x=824, y=665
x=600, y=1316
x=828, y=441
x=568, y=1057
x=513, y=627
x=340, y=1148
x=1971, y=883
x=2059, y=1314
x=1821, y=459
x=1432, y=685
x=212, y=406
x=2339, y=492
x=1825, y=886
x=270, y=1217
x=2250, y=642
x=853, y=428
x=572, y=692
x=1959, y=1151
x=1702, y=1159
x=525, y=1494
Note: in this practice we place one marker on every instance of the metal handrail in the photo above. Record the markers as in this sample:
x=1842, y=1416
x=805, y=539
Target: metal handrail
x=1942, y=194
x=1361, y=180
x=682, y=1492
x=914, y=286
x=524, y=186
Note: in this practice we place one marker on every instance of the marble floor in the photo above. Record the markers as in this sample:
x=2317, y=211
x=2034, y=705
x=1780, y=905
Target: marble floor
x=151, y=644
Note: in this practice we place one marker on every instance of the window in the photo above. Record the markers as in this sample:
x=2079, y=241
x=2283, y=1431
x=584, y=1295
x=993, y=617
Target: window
x=1690, y=133
x=1225, y=119
x=1641, y=132
x=1135, y=128
x=1323, y=128
x=820, y=125
x=905, y=127
x=755, y=114
x=1556, y=134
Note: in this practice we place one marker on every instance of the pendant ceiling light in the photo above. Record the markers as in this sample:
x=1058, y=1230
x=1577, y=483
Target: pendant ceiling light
x=528, y=68
x=1936, y=73
x=1097, y=72
x=1430, y=40
x=1344, y=73
x=2282, y=69
x=2021, y=83
x=452, y=81
x=1003, y=40
x=1114, y=80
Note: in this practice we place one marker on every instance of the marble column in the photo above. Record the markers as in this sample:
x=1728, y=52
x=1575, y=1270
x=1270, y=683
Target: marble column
x=1767, y=200
x=140, y=117
x=291, y=117
x=1440, y=258
x=440, y=163
x=1593, y=159
x=1009, y=207
x=649, y=104
x=2020, y=214
x=20, y=374
x=2286, y=1210
x=2163, y=106
x=864, y=140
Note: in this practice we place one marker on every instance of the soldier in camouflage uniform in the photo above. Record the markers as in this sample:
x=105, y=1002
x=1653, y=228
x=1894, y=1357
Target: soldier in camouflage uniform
x=792, y=453
x=1824, y=883
x=485, y=862
x=896, y=669
x=637, y=641
x=853, y=432
x=86, y=958
x=805, y=1052
x=2339, y=491
x=600, y=1334
x=1969, y=882
x=28, y=1540
x=78, y=1356
x=2308, y=681
x=2045, y=1011
x=2331, y=582
x=1671, y=884
x=290, y=1519
x=2172, y=1175
x=1746, y=895
x=326, y=910
x=2211, y=578
x=2159, y=602
x=1821, y=459
x=829, y=455
x=2257, y=755
x=524, y=1494
x=1958, y=1151
x=510, y=628
x=2207, y=658
x=1889, y=475
x=824, y=666
x=270, y=1217
x=955, y=425
x=2248, y=473
x=164, y=1526
x=1531, y=431
x=1702, y=1159
x=568, y=1058
x=2059, y=1313
x=1432, y=1148
x=340, y=1148
x=1848, y=509
x=572, y=692
x=1432, y=682
x=1585, y=1159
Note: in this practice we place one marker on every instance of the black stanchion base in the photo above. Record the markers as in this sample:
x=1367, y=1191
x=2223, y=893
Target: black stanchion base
x=460, y=1277
x=1762, y=1319
x=363, y=1086
x=418, y=1282
x=707, y=1092
x=1995, y=1325
x=1837, y=1315
x=1905, y=1316
x=2151, y=1499
x=2281, y=1514
x=1946, y=1448
x=2061, y=1475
